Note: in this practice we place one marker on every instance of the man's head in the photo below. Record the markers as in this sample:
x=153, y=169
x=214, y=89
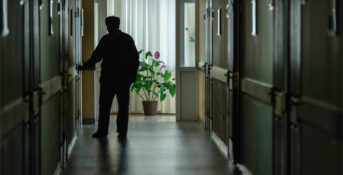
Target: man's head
x=112, y=23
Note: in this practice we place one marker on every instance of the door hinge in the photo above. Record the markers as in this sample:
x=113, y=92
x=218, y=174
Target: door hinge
x=36, y=100
x=205, y=15
x=271, y=5
x=229, y=8
x=212, y=14
x=22, y=2
x=236, y=80
x=294, y=108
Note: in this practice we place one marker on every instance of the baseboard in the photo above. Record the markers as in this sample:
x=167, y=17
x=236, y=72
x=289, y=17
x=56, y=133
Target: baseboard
x=58, y=169
x=220, y=144
x=71, y=145
x=88, y=121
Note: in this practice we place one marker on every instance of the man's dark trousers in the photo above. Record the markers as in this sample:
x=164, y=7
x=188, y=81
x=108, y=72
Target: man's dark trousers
x=108, y=90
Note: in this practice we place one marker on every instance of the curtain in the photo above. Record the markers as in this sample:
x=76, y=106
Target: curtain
x=151, y=23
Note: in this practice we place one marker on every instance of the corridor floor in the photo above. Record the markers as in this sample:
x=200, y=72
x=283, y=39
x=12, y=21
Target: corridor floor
x=155, y=146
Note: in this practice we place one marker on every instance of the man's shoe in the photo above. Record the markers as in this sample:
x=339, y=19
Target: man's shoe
x=99, y=135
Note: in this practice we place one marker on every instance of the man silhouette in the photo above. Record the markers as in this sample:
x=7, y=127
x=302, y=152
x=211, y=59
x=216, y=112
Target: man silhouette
x=119, y=67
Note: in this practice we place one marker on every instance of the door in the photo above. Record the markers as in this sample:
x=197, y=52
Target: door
x=218, y=69
x=220, y=66
x=316, y=87
x=15, y=90
x=208, y=61
x=280, y=87
x=72, y=80
x=232, y=77
x=186, y=71
x=255, y=124
x=78, y=61
x=51, y=84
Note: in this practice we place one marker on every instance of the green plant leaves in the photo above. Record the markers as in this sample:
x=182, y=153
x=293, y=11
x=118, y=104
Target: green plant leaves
x=151, y=70
x=163, y=97
x=143, y=67
x=172, y=89
x=147, y=54
x=162, y=88
x=154, y=79
x=155, y=93
x=167, y=75
x=156, y=63
x=147, y=86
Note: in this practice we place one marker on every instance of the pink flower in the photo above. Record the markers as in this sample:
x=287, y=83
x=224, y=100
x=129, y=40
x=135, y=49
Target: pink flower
x=157, y=55
x=163, y=66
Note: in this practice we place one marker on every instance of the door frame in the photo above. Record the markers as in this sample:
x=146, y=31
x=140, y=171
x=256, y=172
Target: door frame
x=180, y=70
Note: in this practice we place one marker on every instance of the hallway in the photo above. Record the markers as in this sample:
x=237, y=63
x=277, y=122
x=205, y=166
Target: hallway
x=261, y=80
x=155, y=145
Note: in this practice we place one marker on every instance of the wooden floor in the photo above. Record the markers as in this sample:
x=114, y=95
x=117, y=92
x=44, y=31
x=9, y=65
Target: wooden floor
x=155, y=146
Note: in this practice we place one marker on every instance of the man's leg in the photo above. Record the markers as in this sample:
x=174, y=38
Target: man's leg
x=123, y=96
x=105, y=101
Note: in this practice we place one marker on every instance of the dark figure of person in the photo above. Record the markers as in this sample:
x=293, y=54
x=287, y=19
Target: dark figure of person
x=119, y=67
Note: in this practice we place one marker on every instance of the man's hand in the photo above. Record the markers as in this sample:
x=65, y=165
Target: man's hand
x=79, y=67
x=82, y=67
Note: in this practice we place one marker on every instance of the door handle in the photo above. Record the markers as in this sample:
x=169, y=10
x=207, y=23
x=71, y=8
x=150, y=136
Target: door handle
x=229, y=75
x=205, y=15
x=212, y=14
x=51, y=17
x=254, y=16
x=4, y=21
x=219, y=14
x=229, y=80
x=82, y=22
x=204, y=66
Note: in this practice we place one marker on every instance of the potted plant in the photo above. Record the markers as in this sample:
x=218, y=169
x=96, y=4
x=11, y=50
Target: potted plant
x=153, y=82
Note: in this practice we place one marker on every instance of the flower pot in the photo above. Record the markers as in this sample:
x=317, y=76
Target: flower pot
x=150, y=108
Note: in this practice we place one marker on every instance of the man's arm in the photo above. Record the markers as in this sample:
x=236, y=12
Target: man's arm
x=95, y=58
x=134, y=57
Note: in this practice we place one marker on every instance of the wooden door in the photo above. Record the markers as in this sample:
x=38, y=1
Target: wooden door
x=51, y=85
x=316, y=87
x=256, y=43
x=219, y=68
x=15, y=129
x=208, y=62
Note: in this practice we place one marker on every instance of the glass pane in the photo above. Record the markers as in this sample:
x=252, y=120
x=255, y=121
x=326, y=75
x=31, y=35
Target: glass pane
x=188, y=59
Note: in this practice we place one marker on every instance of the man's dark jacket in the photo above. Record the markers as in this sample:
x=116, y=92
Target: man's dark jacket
x=120, y=59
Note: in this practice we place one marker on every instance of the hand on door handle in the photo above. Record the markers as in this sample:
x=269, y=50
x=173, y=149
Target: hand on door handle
x=82, y=67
